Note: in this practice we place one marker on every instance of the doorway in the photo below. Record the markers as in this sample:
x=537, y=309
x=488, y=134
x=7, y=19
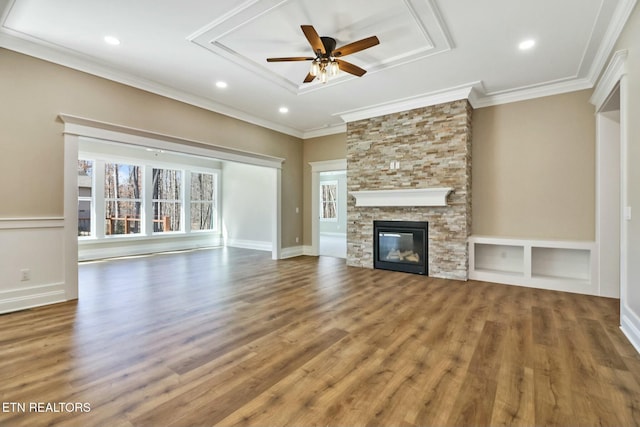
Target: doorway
x=609, y=205
x=333, y=245
x=333, y=214
x=76, y=128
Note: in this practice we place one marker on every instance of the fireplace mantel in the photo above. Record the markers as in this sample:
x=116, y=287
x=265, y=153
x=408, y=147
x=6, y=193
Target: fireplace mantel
x=409, y=197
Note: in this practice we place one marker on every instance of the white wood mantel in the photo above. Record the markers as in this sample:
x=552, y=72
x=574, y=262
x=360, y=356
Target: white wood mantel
x=408, y=197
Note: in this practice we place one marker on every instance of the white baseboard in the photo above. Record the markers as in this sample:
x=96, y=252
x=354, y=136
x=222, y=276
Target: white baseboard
x=333, y=234
x=33, y=296
x=249, y=244
x=305, y=250
x=630, y=326
x=292, y=252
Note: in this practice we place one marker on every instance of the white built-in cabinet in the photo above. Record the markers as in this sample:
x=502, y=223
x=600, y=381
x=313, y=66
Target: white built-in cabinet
x=547, y=264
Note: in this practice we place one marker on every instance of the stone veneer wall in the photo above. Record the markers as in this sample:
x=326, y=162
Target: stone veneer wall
x=433, y=146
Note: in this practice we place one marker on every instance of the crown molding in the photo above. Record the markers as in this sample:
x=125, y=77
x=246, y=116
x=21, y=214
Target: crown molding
x=410, y=103
x=618, y=21
x=526, y=93
x=329, y=130
x=610, y=78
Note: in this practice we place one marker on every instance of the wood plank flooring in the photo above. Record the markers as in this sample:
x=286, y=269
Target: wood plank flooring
x=228, y=337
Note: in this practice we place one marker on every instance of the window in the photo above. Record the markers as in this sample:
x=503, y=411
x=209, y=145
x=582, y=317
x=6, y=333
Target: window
x=167, y=200
x=329, y=200
x=203, y=201
x=123, y=198
x=140, y=198
x=85, y=200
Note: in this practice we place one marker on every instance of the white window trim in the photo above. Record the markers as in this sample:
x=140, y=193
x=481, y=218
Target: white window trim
x=217, y=197
x=99, y=200
x=323, y=219
x=183, y=195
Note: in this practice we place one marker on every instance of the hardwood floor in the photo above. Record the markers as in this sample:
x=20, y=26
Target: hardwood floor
x=230, y=337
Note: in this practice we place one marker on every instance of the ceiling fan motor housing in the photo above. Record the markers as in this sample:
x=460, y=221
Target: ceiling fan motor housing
x=329, y=44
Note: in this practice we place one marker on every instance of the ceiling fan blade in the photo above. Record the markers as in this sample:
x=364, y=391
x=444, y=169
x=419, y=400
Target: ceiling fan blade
x=350, y=68
x=293, y=58
x=314, y=39
x=354, y=47
x=309, y=78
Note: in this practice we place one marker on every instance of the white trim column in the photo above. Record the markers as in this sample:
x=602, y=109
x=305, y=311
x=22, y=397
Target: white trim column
x=71, y=216
x=616, y=75
x=276, y=233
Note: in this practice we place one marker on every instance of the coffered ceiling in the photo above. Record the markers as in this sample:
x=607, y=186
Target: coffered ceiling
x=430, y=51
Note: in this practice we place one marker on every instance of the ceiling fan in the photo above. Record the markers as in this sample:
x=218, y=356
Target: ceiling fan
x=326, y=61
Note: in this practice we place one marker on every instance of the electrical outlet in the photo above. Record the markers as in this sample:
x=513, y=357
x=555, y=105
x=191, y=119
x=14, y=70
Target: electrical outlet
x=297, y=240
x=25, y=275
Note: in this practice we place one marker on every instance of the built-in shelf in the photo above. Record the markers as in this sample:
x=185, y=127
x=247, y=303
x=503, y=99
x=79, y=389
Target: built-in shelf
x=508, y=259
x=548, y=264
x=407, y=197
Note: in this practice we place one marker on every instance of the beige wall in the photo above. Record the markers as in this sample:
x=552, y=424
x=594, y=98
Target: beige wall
x=534, y=168
x=33, y=92
x=247, y=203
x=331, y=147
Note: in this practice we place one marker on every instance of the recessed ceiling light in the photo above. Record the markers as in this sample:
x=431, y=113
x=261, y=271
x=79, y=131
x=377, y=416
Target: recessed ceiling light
x=221, y=84
x=284, y=110
x=526, y=44
x=111, y=40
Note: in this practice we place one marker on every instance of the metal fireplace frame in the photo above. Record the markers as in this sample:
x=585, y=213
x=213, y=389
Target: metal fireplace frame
x=401, y=226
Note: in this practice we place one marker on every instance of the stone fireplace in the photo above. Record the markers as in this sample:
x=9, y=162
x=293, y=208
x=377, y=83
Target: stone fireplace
x=425, y=148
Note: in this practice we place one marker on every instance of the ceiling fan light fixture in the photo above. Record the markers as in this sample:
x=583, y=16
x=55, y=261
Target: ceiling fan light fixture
x=315, y=68
x=334, y=68
x=323, y=75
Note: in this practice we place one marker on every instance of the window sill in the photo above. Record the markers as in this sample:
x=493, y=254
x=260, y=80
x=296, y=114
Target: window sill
x=119, y=246
x=82, y=240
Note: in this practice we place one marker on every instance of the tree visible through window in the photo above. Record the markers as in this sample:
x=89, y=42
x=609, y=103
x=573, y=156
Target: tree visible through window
x=85, y=201
x=203, y=203
x=123, y=198
x=167, y=200
x=329, y=200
